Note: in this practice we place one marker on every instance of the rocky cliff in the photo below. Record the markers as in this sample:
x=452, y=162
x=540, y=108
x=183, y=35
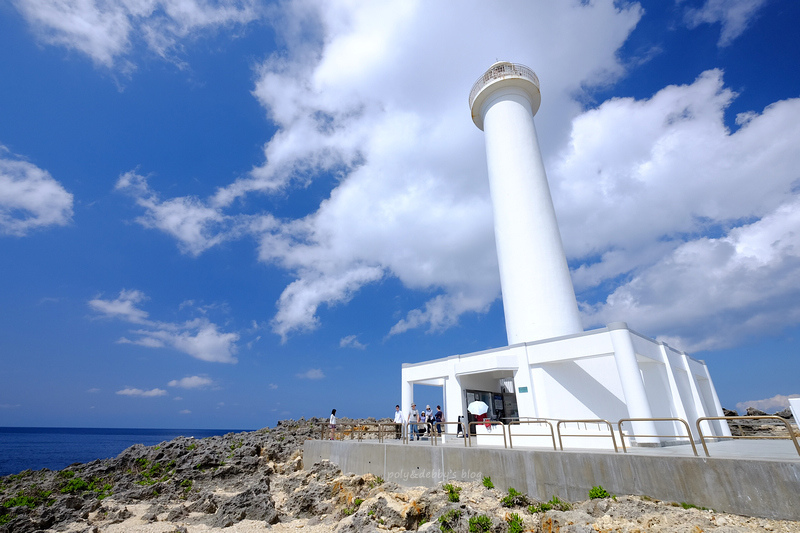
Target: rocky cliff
x=255, y=481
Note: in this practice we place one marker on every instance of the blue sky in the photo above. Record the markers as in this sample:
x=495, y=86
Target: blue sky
x=222, y=214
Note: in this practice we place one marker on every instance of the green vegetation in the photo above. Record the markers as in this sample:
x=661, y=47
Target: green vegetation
x=514, y=499
x=192, y=446
x=452, y=492
x=554, y=504
x=480, y=524
x=515, y=523
x=152, y=473
x=448, y=520
x=689, y=506
x=187, y=487
x=21, y=475
x=5, y=519
x=31, y=497
x=75, y=484
x=598, y=492
x=347, y=511
x=487, y=482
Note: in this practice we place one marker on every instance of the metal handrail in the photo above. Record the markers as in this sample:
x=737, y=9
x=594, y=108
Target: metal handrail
x=356, y=430
x=500, y=71
x=765, y=417
x=428, y=431
x=681, y=420
x=491, y=423
x=445, y=430
x=597, y=421
x=390, y=429
x=534, y=421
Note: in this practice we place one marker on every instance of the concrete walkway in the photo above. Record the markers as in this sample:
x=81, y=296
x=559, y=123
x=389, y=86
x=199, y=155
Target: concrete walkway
x=765, y=449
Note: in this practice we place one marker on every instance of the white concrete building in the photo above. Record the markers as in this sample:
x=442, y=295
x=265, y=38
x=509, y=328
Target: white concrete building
x=552, y=369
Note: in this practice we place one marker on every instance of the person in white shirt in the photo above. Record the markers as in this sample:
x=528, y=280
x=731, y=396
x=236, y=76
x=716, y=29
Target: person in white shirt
x=398, y=422
x=333, y=423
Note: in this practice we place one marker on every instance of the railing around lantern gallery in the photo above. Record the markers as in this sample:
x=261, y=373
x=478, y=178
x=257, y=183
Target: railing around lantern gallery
x=500, y=71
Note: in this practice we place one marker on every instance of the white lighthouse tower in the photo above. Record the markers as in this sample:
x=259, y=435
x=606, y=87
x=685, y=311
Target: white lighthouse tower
x=538, y=298
x=551, y=369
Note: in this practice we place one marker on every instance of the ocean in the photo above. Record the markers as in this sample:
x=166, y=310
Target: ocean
x=57, y=448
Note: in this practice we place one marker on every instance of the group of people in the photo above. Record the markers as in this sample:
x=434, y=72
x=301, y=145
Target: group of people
x=418, y=421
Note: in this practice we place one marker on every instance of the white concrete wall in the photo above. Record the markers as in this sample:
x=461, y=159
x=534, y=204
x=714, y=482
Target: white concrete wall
x=794, y=405
x=581, y=377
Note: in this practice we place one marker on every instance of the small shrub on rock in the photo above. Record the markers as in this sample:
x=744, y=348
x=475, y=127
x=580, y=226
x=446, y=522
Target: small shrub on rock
x=514, y=498
x=452, y=492
x=487, y=482
x=515, y=524
x=554, y=504
x=598, y=492
x=448, y=521
x=480, y=524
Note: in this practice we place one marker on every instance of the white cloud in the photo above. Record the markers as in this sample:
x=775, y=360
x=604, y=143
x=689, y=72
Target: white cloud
x=123, y=307
x=659, y=203
x=143, y=393
x=195, y=226
x=184, y=412
x=106, y=31
x=778, y=402
x=734, y=16
x=93, y=390
x=376, y=95
x=351, y=341
x=313, y=373
x=29, y=197
x=272, y=386
x=199, y=337
x=698, y=222
x=191, y=382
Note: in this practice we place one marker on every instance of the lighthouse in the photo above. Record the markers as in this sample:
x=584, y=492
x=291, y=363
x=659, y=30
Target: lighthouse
x=538, y=297
x=551, y=368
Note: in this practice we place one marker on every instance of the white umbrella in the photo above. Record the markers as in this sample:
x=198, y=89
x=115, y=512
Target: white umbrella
x=478, y=408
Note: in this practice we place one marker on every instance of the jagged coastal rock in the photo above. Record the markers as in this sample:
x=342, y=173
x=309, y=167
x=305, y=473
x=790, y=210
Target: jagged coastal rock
x=255, y=481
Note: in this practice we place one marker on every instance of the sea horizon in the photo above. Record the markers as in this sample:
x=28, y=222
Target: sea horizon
x=55, y=448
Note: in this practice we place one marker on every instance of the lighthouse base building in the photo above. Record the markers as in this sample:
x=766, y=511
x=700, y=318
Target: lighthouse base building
x=553, y=373
x=609, y=374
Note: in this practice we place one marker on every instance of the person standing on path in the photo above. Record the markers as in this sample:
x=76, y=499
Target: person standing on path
x=398, y=422
x=332, y=423
x=413, y=418
x=439, y=416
